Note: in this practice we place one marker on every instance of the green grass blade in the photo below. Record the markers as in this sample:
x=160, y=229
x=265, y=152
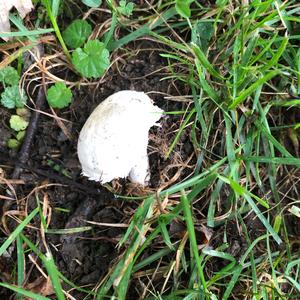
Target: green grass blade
x=203, y=182
x=50, y=267
x=23, y=292
x=142, y=31
x=213, y=201
x=273, y=160
x=271, y=139
x=19, y=24
x=246, y=195
x=236, y=274
x=288, y=103
x=53, y=273
x=26, y=33
x=165, y=233
x=192, y=237
x=20, y=264
x=56, y=29
x=55, y=7
x=219, y=254
x=204, y=62
x=276, y=57
x=17, y=231
x=178, y=135
x=68, y=230
x=152, y=258
x=205, y=85
x=245, y=93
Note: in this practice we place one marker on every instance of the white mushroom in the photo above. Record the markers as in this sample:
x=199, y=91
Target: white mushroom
x=113, y=141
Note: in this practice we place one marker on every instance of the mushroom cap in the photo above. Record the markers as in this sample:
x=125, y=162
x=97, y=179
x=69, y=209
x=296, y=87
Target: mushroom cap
x=113, y=141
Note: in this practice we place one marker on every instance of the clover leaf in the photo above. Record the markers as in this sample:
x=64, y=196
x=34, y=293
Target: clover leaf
x=77, y=33
x=12, y=98
x=92, y=60
x=9, y=75
x=125, y=9
x=59, y=95
x=17, y=123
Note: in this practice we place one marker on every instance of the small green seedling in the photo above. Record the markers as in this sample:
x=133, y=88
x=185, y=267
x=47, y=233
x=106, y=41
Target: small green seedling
x=77, y=33
x=92, y=60
x=59, y=95
x=17, y=123
x=9, y=75
x=58, y=168
x=15, y=143
x=125, y=8
x=11, y=97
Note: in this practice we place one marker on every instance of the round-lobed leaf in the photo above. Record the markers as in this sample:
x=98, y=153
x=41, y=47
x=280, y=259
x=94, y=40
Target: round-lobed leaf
x=12, y=98
x=13, y=144
x=92, y=60
x=59, y=95
x=9, y=75
x=77, y=33
x=17, y=123
x=125, y=8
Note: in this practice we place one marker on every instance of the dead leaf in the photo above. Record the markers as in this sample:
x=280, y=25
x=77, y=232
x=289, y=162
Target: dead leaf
x=41, y=286
x=22, y=6
x=177, y=229
x=204, y=235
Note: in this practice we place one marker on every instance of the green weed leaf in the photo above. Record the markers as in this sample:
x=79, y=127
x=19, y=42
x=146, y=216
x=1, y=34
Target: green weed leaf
x=92, y=60
x=20, y=135
x=125, y=9
x=9, y=75
x=17, y=123
x=13, y=144
x=59, y=95
x=92, y=3
x=202, y=33
x=77, y=33
x=183, y=8
x=11, y=97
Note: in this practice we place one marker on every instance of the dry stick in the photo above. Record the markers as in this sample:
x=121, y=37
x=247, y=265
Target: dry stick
x=23, y=154
x=81, y=188
x=30, y=132
x=63, y=180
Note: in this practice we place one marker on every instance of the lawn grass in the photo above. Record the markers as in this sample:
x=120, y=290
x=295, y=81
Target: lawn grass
x=241, y=62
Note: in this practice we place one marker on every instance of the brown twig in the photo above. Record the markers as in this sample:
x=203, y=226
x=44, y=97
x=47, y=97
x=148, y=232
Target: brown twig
x=81, y=188
x=30, y=132
x=23, y=154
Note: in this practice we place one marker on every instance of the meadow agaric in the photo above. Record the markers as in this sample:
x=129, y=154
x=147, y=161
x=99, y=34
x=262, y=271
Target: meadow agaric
x=113, y=141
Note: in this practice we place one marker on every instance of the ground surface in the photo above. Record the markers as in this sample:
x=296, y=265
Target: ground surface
x=85, y=257
x=52, y=175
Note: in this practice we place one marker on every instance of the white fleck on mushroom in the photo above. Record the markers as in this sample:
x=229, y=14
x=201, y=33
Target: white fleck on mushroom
x=113, y=141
